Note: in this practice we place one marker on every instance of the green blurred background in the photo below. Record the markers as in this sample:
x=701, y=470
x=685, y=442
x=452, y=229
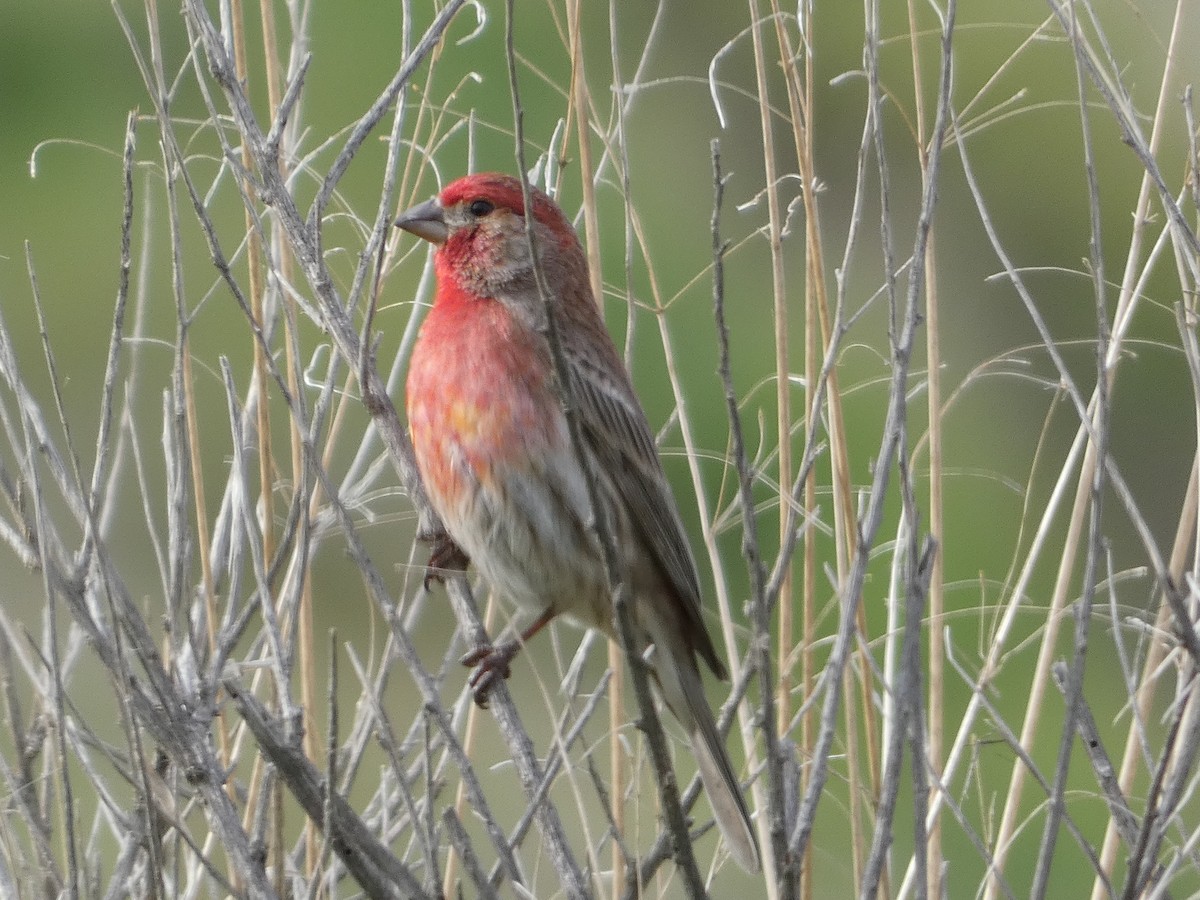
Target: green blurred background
x=68, y=81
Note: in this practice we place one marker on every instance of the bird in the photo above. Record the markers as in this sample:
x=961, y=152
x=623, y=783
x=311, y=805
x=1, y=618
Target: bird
x=493, y=448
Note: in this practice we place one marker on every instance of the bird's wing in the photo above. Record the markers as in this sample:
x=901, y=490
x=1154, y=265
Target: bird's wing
x=616, y=431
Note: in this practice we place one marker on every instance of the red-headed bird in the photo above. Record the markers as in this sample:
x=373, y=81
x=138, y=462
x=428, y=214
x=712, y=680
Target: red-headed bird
x=495, y=455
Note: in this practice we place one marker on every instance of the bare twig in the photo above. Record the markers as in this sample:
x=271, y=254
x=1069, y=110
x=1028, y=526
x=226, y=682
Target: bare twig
x=850, y=592
x=1095, y=548
x=618, y=588
x=761, y=664
x=1090, y=739
x=905, y=698
x=373, y=866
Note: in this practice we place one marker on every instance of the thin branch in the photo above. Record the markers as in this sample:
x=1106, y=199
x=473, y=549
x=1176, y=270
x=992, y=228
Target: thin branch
x=373, y=866
x=1095, y=546
x=761, y=664
x=851, y=592
x=617, y=585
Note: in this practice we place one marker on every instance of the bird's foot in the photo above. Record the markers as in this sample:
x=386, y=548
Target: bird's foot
x=445, y=558
x=493, y=664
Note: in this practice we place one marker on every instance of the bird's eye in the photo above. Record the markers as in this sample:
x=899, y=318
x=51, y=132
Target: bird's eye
x=480, y=208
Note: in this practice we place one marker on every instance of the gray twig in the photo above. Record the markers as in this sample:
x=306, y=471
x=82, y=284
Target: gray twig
x=761, y=664
x=373, y=866
x=1095, y=546
x=618, y=588
x=851, y=591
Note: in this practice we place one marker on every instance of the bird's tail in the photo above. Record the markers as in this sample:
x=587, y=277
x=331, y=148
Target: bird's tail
x=679, y=681
x=725, y=795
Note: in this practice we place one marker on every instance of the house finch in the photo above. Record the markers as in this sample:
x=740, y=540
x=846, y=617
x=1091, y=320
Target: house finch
x=495, y=454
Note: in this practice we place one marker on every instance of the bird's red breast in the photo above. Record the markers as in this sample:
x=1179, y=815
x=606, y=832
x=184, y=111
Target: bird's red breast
x=478, y=393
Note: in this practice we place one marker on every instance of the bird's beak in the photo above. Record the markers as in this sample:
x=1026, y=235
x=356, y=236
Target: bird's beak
x=426, y=221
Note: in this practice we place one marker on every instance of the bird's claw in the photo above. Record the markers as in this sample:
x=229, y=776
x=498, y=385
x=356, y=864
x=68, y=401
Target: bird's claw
x=446, y=557
x=493, y=664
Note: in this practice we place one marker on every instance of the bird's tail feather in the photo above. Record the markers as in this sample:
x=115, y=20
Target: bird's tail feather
x=721, y=784
x=679, y=680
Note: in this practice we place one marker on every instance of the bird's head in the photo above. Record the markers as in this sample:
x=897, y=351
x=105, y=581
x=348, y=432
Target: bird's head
x=478, y=223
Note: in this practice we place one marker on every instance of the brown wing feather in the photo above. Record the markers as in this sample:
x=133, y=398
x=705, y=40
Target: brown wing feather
x=616, y=430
